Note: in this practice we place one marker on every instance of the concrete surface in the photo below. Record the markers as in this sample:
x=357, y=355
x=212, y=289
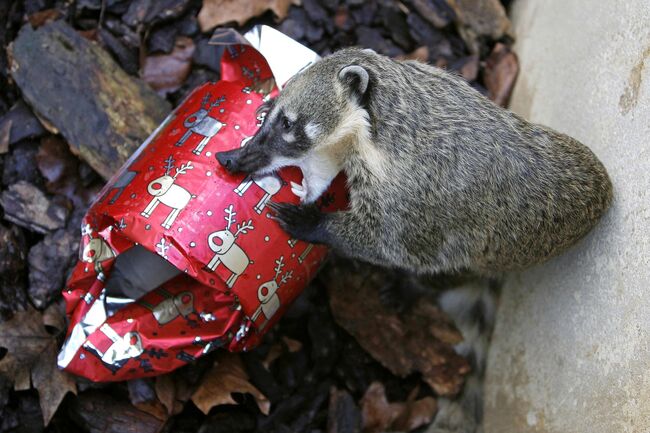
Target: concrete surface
x=571, y=349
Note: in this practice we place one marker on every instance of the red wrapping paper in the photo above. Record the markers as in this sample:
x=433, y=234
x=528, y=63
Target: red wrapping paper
x=240, y=271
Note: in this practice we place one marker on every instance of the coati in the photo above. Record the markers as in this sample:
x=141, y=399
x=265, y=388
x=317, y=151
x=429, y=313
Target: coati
x=440, y=178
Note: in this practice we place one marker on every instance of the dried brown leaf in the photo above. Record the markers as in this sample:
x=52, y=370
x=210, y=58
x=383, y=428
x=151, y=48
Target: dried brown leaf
x=58, y=166
x=31, y=352
x=377, y=413
x=52, y=384
x=54, y=316
x=421, y=340
x=293, y=346
x=469, y=67
x=90, y=34
x=99, y=412
x=501, y=70
x=341, y=18
x=144, y=397
x=184, y=389
x=416, y=412
x=167, y=72
x=276, y=351
x=420, y=54
x=154, y=408
x=166, y=392
x=25, y=339
x=482, y=17
x=421, y=412
x=218, y=12
x=380, y=415
x=227, y=376
x=39, y=18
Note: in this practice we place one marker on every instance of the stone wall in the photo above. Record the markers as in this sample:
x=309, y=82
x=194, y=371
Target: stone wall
x=571, y=349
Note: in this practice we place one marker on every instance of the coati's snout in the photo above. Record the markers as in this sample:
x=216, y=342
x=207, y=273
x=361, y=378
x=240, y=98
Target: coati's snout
x=229, y=159
x=280, y=141
x=265, y=152
x=243, y=160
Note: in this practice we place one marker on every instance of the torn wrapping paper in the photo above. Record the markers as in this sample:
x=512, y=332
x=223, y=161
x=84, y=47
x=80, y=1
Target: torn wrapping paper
x=178, y=257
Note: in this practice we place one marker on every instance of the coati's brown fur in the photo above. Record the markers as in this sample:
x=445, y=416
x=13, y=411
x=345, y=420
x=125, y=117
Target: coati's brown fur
x=440, y=178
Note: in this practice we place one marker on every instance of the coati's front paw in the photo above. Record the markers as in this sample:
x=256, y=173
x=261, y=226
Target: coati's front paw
x=301, y=222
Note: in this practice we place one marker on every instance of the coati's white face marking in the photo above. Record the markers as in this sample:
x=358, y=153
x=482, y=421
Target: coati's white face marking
x=318, y=170
x=289, y=137
x=325, y=159
x=271, y=116
x=354, y=133
x=312, y=130
x=278, y=162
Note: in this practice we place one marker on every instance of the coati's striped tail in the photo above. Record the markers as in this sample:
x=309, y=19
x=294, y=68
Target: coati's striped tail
x=472, y=306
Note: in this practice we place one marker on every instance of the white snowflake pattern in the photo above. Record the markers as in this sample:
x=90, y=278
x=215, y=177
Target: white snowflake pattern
x=162, y=248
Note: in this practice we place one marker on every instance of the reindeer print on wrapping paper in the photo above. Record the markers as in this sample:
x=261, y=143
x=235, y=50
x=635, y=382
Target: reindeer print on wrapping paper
x=120, y=348
x=269, y=183
x=165, y=191
x=171, y=307
x=202, y=124
x=268, y=296
x=263, y=87
x=120, y=185
x=96, y=250
x=260, y=115
x=303, y=256
x=222, y=243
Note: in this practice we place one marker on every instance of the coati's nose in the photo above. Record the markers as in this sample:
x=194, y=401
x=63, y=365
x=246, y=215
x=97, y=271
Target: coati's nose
x=228, y=159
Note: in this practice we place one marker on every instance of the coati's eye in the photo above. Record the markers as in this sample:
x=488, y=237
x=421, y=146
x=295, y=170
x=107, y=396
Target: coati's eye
x=286, y=123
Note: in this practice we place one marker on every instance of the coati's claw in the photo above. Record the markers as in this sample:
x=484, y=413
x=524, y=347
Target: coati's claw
x=276, y=207
x=299, y=190
x=301, y=222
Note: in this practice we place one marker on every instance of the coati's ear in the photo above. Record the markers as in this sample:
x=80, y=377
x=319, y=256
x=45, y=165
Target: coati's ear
x=355, y=78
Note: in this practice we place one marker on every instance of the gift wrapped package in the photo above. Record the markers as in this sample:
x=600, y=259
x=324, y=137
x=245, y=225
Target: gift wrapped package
x=178, y=257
